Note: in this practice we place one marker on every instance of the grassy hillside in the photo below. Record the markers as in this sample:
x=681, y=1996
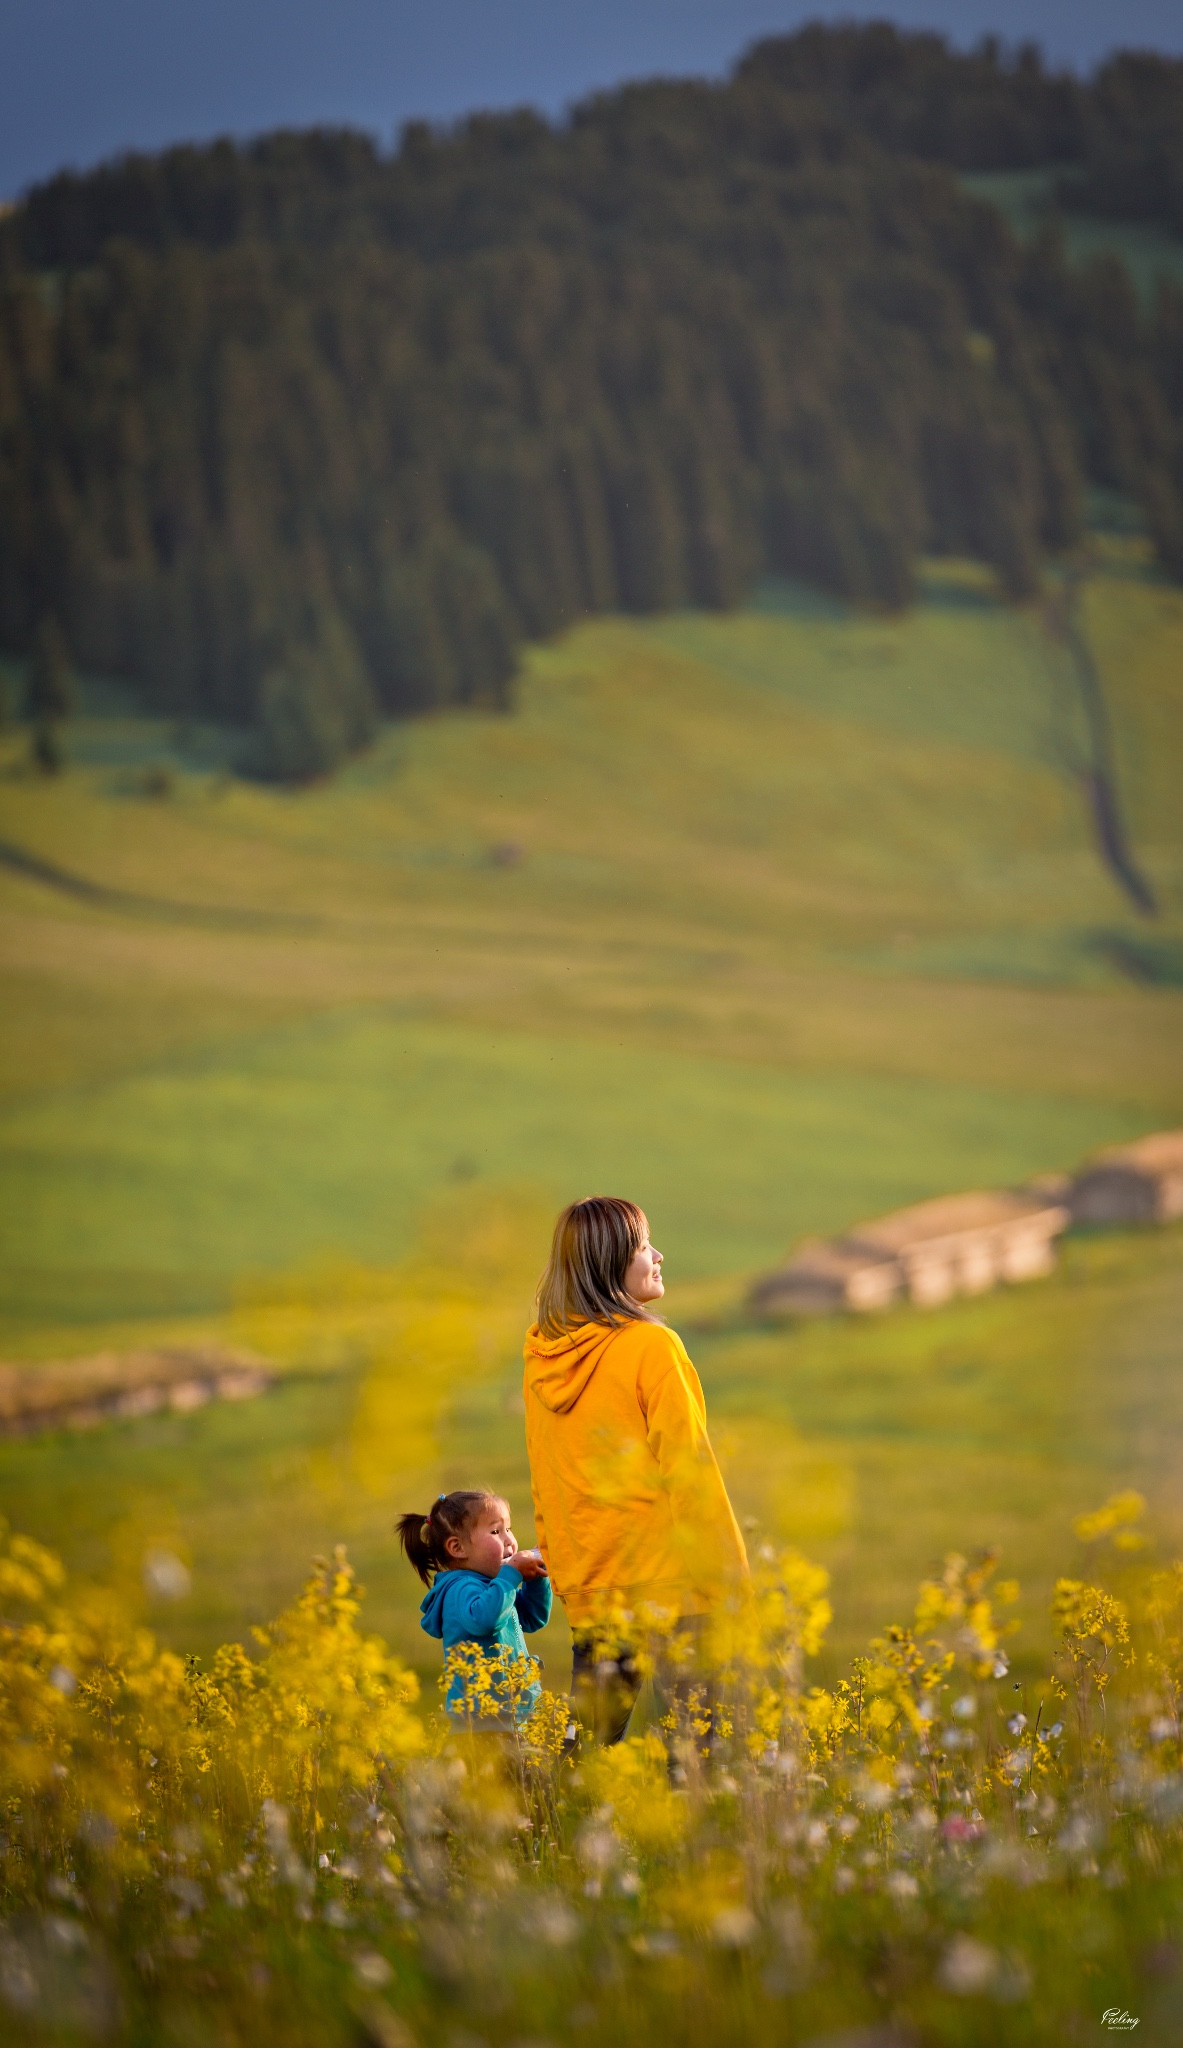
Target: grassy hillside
x=328, y=1137
x=875, y=1445
x=1151, y=254
x=772, y=920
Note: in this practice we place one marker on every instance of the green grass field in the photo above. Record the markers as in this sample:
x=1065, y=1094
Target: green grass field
x=802, y=918
x=1028, y=198
x=874, y=1445
x=328, y=1136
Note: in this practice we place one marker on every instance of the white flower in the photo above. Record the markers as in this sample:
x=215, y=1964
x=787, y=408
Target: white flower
x=1079, y=1835
x=165, y=1576
x=598, y=1847
x=735, y=1927
x=553, y=1922
x=967, y=1967
x=372, y=1969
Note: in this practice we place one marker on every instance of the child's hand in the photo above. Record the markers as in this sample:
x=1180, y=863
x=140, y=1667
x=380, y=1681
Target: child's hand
x=528, y=1563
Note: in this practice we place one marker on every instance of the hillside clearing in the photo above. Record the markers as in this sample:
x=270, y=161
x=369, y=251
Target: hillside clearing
x=806, y=922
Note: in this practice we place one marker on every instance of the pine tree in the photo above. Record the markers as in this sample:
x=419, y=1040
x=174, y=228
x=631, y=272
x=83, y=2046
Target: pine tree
x=49, y=694
x=514, y=373
x=316, y=705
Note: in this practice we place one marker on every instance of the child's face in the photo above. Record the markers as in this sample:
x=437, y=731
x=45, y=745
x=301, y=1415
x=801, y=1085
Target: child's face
x=487, y=1543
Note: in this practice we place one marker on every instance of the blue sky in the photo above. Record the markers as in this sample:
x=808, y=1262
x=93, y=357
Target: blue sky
x=81, y=79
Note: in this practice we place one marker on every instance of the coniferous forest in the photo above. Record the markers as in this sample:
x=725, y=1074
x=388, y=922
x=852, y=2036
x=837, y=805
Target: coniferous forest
x=296, y=434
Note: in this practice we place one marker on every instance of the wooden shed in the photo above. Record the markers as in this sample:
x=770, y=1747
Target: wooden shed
x=958, y=1244
x=78, y=1393
x=1138, y=1183
x=822, y=1277
x=963, y=1244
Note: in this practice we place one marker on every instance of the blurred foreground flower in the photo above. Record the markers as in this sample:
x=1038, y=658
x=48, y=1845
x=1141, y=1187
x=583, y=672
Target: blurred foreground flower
x=165, y=1576
x=284, y=1845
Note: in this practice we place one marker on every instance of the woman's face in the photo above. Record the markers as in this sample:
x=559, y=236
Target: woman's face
x=643, y=1281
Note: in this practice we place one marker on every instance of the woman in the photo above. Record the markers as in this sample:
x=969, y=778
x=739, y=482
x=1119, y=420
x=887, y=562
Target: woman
x=632, y=1514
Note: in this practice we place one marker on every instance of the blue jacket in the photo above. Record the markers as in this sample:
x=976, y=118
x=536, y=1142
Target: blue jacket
x=466, y=1607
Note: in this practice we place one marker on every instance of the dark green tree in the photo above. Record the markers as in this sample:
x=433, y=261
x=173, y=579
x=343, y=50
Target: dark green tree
x=50, y=695
x=302, y=429
x=316, y=703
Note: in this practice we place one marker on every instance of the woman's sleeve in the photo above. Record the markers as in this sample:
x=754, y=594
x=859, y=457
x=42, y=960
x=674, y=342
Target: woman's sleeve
x=672, y=1401
x=477, y=1610
x=534, y=1604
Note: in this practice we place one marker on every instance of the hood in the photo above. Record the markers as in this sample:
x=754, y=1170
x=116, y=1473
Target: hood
x=431, y=1607
x=559, y=1368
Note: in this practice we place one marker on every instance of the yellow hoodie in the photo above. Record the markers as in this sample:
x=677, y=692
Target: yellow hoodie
x=628, y=1498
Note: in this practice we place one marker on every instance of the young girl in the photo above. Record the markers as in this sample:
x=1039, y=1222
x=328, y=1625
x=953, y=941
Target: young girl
x=483, y=1591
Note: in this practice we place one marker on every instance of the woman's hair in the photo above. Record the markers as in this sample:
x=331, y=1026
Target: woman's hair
x=591, y=1251
x=425, y=1537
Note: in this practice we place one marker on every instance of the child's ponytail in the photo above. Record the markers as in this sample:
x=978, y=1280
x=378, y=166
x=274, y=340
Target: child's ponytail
x=414, y=1533
x=424, y=1538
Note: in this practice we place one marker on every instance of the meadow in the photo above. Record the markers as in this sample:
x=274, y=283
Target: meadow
x=872, y=1446
x=925, y=1849
x=1029, y=199
x=774, y=920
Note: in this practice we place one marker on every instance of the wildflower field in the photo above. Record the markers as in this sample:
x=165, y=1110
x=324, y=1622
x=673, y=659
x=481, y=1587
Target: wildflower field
x=772, y=921
x=289, y=1845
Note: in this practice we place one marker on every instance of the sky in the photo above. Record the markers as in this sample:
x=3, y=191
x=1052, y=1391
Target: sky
x=84, y=79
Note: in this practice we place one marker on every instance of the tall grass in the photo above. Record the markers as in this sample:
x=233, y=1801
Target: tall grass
x=281, y=1844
